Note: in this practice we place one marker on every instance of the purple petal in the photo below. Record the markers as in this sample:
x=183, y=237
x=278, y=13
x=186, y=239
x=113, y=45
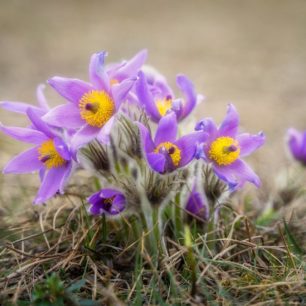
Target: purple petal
x=39, y=124
x=65, y=177
x=158, y=83
x=25, y=162
x=82, y=137
x=188, y=146
x=200, y=151
x=18, y=107
x=112, y=68
x=42, y=101
x=177, y=107
x=66, y=115
x=108, y=192
x=118, y=205
x=62, y=148
x=145, y=97
x=121, y=90
x=237, y=174
x=208, y=126
x=156, y=161
x=163, y=88
x=187, y=88
x=24, y=134
x=95, y=200
x=131, y=67
x=42, y=173
x=103, y=135
x=51, y=183
x=99, y=205
x=197, y=204
x=97, y=73
x=166, y=129
x=71, y=89
x=146, y=139
x=249, y=143
x=230, y=124
x=297, y=144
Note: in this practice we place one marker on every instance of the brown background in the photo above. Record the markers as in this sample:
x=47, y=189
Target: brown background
x=252, y=53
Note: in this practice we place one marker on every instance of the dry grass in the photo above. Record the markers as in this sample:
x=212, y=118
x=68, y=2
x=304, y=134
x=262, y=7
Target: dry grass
x=238, y=261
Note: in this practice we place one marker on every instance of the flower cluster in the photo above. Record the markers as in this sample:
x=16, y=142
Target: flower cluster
x=111, y=120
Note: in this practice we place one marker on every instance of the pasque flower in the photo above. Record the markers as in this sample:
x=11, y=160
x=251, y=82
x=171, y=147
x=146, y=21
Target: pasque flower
x=165, y=153
x=158, y=99
x=197, y=204
x=50, y=156
x=21, y=107
x=107, y=201
x=297, y=144
x=225, y=147
x=92, y=106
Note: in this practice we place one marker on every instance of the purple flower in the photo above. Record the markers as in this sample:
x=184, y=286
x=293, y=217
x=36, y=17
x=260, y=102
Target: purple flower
x=50, y=156
x=297, y=145
x=197, y=204
x=92, y=107
x=107, y=201
x=157, y=98
x=165, y=153
x=21, y=107
x=225, y=147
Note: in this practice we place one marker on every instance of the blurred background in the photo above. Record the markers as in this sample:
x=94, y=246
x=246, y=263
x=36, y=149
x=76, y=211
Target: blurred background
x=251, y=53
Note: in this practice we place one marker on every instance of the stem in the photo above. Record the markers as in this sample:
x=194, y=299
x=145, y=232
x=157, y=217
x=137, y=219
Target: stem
x=190, y=259
x=104, y=228
x=178, y=220
x=211, y=236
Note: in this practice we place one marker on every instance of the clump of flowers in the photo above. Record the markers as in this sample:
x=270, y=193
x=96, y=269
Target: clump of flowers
x=126, y=126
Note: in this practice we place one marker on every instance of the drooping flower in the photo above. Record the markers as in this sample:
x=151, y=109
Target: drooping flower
x=197, y=204
x=21, y=107
x=224, y=148
x=165, y=153
x=92, y=107
x=50, y=156
x=297, y=144
x=158, y=99
x=107, y=201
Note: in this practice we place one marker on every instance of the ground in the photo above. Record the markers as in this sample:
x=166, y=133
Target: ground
x=250, y=53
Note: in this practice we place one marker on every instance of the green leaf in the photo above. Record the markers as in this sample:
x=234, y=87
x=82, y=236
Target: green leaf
x=268, y=216
x=76, y=286
x=89, y=303
x=293, y=244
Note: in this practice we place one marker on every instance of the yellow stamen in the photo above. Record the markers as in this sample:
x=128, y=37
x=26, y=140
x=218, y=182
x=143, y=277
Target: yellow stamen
x=96, y=108
x=224, y=151
x=49, y=156
x=173, y=151
x=163, y=105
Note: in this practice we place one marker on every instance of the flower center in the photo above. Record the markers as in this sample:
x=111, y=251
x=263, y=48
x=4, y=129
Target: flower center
x=108, y=202
x=224, y=151
x=96, y=108
x=163, y=105
x=49, y=156
x=171, y=149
